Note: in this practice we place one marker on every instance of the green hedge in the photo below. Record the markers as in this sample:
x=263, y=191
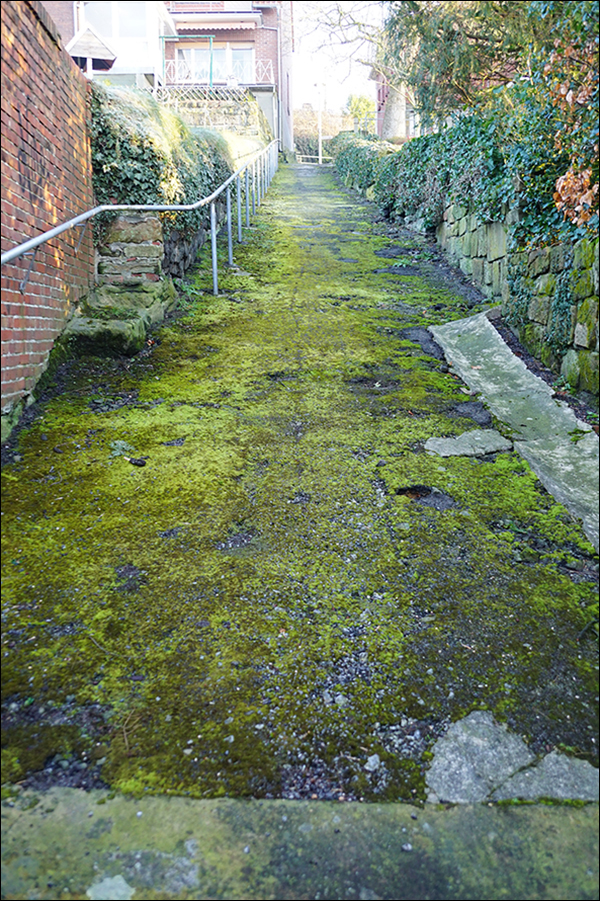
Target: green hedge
x=142, y=152
x=488, y=164
x=357, y=156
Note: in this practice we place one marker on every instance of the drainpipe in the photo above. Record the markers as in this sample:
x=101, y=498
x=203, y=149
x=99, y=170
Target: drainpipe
x=279, y=75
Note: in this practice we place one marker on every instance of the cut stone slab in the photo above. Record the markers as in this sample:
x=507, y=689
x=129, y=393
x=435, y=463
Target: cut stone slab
x=474, y=757
x=104, y=846
x=115, y=889
x=565, y=470
x=475, y=443
x=556, y=776
x=479, y=760
x=105, y=336
x=561, y=449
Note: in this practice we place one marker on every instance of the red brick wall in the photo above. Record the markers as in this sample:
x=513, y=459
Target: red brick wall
x=62, y=14
x=46, y=179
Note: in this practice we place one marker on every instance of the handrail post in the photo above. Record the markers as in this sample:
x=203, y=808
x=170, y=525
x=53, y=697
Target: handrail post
x=229, y=227
x=264, y=166
x=213, y=246
x=261, y=182
x=238, y=186
x=247, y=197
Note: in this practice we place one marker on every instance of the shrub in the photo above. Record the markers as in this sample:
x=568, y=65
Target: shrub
x=142, y=152
x=357, y=156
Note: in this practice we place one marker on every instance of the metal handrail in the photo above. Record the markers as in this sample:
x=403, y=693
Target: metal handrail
x=263, y=166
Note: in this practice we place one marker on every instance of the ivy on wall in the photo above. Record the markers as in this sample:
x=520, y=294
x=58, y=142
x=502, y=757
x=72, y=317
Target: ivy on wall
x=142, y=152
x=488, y=164
x=357, y=156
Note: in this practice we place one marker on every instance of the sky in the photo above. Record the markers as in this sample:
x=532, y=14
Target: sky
x=338, y=75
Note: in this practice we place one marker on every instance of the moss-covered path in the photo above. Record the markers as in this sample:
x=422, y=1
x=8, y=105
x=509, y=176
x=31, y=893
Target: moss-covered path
x=290, y=598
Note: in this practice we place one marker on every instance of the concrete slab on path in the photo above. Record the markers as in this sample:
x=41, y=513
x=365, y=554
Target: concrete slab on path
x=480, y=760
x=76, y=844
x=475, y=443
x=561, y=449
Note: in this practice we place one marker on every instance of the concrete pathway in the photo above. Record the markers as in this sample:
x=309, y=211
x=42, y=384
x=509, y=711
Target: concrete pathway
x=332, y=584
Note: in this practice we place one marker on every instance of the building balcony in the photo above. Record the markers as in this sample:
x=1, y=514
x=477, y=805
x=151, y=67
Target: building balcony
x=179, y=72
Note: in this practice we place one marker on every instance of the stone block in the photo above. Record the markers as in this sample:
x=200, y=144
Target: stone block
x=496, y=241
x=488, y=273
x=136, y=297
x=538, y=262
x=584, y=253
x=582, y=284
x=134, y=229
x=482, y=241
x=472, y=222
x=108, y=337
x=449, y=215
x=533, y=336
x=466, y=265
x=131, y=273
x=459, y=211
x=512, y=218
x=581, y=338
x=477, y=267
x=148, y=251
x=569, y=368
x=454, y=250
x=518, y=259
x=559, y=255
x=441, y=235
x=539, y=310
x=588, y=371
x=462, y=225
x=497, y=278
x=587, y=322
x=545, y=285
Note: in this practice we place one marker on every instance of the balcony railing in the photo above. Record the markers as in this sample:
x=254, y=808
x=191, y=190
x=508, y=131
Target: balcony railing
x=180, y=72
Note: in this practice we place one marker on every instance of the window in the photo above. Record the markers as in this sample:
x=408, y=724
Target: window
x=117, y=20
x=99, y=16
x=241, y=65
x=132, y=20
x=228, y=64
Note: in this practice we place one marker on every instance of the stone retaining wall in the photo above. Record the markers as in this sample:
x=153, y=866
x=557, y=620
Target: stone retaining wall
x=548, y=295
x=134, y=289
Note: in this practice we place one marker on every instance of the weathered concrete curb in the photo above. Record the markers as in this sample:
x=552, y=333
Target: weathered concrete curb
x=561, y=450
x=69, y=843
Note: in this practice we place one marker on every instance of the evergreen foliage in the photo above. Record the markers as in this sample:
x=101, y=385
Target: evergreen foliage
x=142, y=152
x=529, y=145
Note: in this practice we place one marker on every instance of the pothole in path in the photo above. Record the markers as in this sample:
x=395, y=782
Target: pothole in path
x=399, y=269
x=474, y=410
x=428, y=496
x=241, y=540
x=423, y=338
x=130, y=578
x=391, y=252
x=372, y=383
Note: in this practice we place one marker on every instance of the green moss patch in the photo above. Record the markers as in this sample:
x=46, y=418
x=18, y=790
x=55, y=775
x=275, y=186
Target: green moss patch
x=265, y=605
